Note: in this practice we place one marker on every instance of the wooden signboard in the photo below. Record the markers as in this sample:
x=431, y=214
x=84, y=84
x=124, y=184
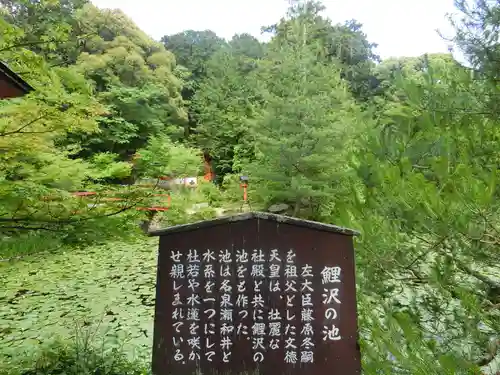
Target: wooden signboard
x=256, y=292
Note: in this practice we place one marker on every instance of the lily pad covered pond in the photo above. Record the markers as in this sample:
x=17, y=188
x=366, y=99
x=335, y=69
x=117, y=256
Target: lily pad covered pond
x=108, y=289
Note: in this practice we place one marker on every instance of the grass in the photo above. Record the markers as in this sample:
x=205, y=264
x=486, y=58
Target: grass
x=79, y=357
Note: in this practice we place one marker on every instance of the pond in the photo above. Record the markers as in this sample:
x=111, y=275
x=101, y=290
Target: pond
x=107, y=289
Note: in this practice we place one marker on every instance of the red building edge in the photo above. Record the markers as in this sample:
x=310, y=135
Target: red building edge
x=11, y=84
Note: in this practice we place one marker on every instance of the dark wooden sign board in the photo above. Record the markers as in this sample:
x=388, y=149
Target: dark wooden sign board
x=256, y=292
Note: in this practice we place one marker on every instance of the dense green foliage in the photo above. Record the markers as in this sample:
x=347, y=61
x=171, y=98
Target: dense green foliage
x=404, y=150
x=80, y=358
x=115, y=92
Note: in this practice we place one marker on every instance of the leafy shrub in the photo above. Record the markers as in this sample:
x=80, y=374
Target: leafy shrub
x=63, y=359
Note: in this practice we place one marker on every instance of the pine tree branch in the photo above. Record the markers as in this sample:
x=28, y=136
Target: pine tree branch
x=426, y=252
x=491, y=355
x=465, y=268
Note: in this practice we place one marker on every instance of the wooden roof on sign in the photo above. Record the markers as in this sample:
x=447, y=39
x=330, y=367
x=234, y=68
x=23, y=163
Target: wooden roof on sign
x=259, y=216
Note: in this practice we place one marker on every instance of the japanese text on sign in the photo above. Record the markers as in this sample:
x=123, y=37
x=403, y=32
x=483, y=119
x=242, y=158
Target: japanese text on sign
x=260, y=297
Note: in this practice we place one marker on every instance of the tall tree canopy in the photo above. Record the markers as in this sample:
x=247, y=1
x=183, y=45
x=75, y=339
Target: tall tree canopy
x=134, y=77
x=193, y=50
x=226, y=99
x=344, y=44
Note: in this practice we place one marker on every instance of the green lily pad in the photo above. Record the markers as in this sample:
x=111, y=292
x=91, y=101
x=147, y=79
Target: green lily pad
x=109, y=289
